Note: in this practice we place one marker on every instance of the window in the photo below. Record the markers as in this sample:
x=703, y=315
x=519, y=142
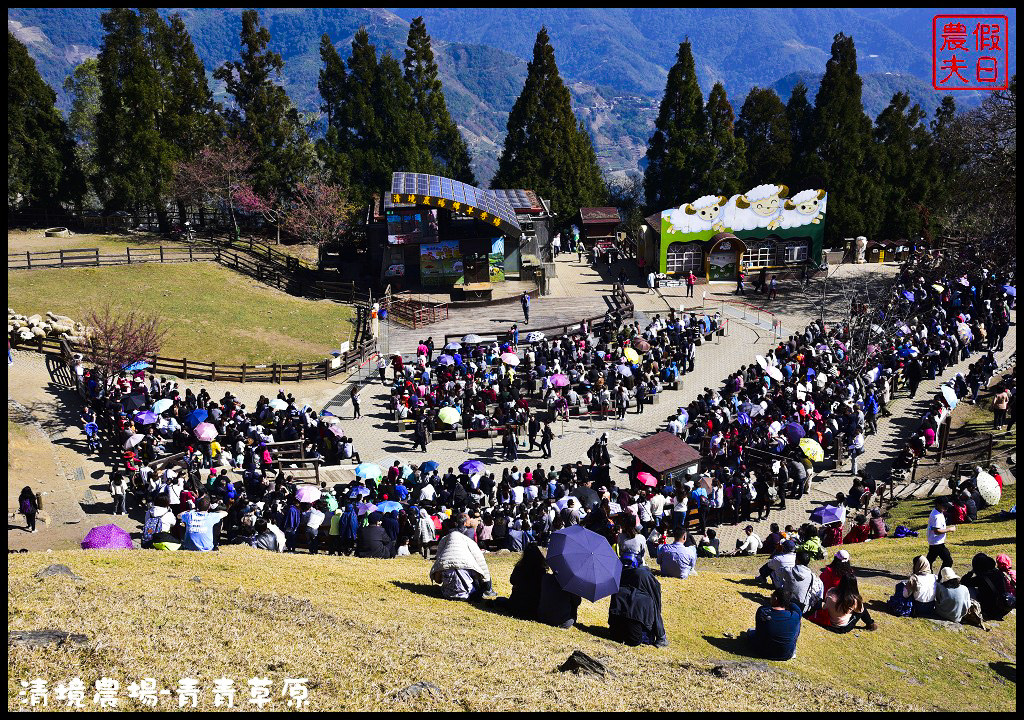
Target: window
x=760, y=255
x=796, y=253
x=684, y=257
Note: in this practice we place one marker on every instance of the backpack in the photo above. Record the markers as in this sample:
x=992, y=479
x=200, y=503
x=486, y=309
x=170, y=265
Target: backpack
x=26, y=507
x=898, y=605
x=151, y=528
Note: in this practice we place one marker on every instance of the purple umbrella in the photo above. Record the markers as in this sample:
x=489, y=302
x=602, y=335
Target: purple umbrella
x=472, y=467
x=584, y=563
x=826, y=514
x=794, y=432
x=365, y=508
x=206, y=432
x=146, y=418
x=336, y=431
x=445, y=360
x=908, y=295
x=559, y=380
x=107, y=537
x=743, y=419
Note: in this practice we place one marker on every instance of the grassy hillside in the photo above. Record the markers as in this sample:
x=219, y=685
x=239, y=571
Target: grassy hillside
x=210, y=312
x=362, y=629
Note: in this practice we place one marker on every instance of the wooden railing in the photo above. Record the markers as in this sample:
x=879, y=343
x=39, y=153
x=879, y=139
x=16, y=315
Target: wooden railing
x=415, y=314
x=91, y=257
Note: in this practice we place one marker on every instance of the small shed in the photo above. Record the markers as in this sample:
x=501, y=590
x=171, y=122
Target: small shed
x=598, y=226
x=663, y=455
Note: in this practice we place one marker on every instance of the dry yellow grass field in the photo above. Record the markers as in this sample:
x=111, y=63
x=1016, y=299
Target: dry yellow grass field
x=360, y=630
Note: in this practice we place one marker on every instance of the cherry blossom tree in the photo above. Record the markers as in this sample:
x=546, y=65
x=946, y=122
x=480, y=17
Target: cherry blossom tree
x=117, y=340
x=218, y=172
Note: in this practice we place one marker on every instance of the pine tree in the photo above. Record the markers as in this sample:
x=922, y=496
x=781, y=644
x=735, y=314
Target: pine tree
x=446, y=144
x=262, y=116
x=727, y=159
x=83, y=86
x=332, y=87
x=677, y=154
x=546, y=148
x=842, y=139
x=906, y=172
x=42, y=169
x=135, y=161
x=764, y=129
x=804, y=170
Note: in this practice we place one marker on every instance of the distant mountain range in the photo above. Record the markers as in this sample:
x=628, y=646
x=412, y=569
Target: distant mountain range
x=615, y=61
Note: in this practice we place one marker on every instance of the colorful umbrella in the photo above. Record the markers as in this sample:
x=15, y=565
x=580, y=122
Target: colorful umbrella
x=449, y=415
x=308, y=494
x=336, y=431
x=472, y=467
x=631, y=355
x=389, y=506
x=584, y=563
x=330, y=419
x=743, y=419
x=647, y=479
x=510, y=359
x=205, y=431
x=107, y=537
x=826, y=515
x=559, y=380
x=162, y=405
x=794, y=431
x=623, y=371
x=365, y=508
x=147, y=417
x=761, y=361
x=368, y=471
x=812, y=449
x=535, y=336
x=445, y=360
x=429, y=466
x=133, y=441
x=196, y=416
x=1010, y=290
x=949, y=394
x=136, y=366
x=642, y=345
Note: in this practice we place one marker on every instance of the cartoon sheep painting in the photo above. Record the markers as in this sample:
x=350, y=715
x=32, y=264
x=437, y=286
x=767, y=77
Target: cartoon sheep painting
x=759, y=207
x=704, y=213
x=806, y=206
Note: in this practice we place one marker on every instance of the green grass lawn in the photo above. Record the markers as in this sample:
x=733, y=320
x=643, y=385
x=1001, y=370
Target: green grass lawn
x=18, y=241
x=360, y=629
x=211, y=313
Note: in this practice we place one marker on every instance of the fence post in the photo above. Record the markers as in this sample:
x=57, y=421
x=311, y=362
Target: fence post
x=243, y=371
x=161, y=253
x=276, y=376
x=184, y=368
x=28, y=259
x=61, y=257
x=213, y=370
x=300, y=372
x=128, y=252
x=190, y=253
x=97, y=251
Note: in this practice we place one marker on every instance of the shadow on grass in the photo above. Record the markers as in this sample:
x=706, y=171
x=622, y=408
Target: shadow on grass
x=863, y=572
x=734, y=646
x=756, y=598
x=1005, y=670
x=991, y=541
x=752, y=582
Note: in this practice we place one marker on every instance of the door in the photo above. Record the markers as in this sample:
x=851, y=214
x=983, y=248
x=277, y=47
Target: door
x=722, y=265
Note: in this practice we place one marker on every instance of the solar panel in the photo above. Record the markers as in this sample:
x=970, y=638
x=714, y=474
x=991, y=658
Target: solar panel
x=442, y=187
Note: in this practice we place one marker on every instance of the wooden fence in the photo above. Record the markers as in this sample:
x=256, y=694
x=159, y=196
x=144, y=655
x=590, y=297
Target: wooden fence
x=190, y=369
x=91, y=257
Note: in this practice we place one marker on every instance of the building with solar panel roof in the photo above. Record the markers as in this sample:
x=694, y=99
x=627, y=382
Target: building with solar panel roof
x=438, y=234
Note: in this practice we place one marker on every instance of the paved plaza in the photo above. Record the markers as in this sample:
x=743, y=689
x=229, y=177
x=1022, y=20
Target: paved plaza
x=578, y=291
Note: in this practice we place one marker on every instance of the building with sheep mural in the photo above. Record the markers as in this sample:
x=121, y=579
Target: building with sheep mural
x=714, y=236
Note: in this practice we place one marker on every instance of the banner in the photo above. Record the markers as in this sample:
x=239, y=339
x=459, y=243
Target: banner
x=496, y=260
x=440, y=263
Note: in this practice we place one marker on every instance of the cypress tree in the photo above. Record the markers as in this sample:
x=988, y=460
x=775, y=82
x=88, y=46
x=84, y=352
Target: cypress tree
x=83, y=86
x=262, y=116
x=842, y=138
x=332, y=87
x=135, y=161
x=677, y=154
x=947, y=155
x=546, y=148
x=445, y=142
x=764, y=129
x=905, y=168
x=727, y=157
x=804, y=170
x=41, y=166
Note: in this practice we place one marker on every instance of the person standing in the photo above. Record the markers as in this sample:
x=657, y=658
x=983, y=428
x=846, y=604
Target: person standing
x=650, y=282
x=740, y=276
x=773, y=288
x=579, y=252
x=28, y=505
x=355, y=402
x=556, y=245
x=999, y=405
x=525, y=301
x=117, y=492
x=533, y=428
x=420, y=433
x=382, y=365
x=937, y=530
x=546, y=436
x=691, y=280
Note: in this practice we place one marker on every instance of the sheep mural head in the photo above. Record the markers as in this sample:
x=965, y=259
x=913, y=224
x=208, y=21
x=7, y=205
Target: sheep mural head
x=763, y=199
x=707, y=207
x=806, y=202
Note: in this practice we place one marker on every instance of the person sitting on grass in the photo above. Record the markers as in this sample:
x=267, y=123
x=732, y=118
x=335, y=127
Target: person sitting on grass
x=677, y=559
x=460, y=567
x=750, y=544
x=860, y=532
x=835, y=570
x=953, y=600
x=920, y=587
x=877, y=526
x=708, y=545
x=776, y=627
x=634, y=616
x=843, y=607
x=801, y=585
x=783, y=559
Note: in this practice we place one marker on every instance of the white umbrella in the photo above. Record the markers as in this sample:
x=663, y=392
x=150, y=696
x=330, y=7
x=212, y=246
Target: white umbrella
x=471, y=339
x=774, y=373
x=133, y=441
x=988, y=488
x=453, y=346
x=510, y=359
x=330, y=419
x=535, y=336
x=761, y=361
x=278, y=404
